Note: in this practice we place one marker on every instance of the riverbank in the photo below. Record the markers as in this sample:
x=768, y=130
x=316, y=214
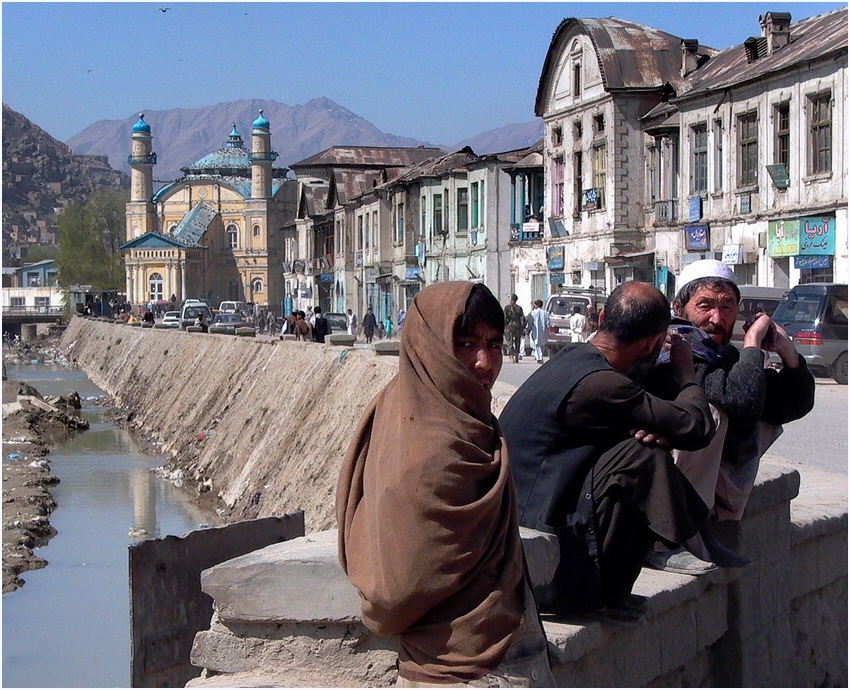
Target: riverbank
x=31, y=426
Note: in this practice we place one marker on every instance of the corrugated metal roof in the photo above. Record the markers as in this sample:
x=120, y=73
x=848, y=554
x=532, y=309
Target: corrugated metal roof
x=368, y=156
x=194, y=224
x=630, y=55
x=814, y=38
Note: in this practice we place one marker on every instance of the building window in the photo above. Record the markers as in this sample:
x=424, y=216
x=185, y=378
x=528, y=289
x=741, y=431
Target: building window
x=577, y=132
x=256, y=231
x=598, y=125
x=399, y=222
x=462, y=209
x=599, y=167
x=232, y=236
x=42, y=303
x=18, y=303
x=256, y=285
x=817, y=275
x=233, y=289
x=438, y=214
x=475, y=205
x=782, y=130
x=367, y=231
x=748, y=152
x=699, y=159
x=155, y=287
x=576, y=79
x=578, y=182
x=359, y=232
x=33, y=280
x=718, y=155
x=558, y=186
x=423, y=217
x=557, y=136
x=820, y=133
x=375, y=229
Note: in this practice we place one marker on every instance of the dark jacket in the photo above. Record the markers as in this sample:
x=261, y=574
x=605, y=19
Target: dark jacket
x=320, y=329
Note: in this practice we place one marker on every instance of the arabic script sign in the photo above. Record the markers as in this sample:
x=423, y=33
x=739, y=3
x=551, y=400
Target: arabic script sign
x=782, y=237
x=817, y=236
x=696, y=238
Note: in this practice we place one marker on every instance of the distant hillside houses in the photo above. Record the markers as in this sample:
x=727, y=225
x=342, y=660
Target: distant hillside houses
x=657, y=152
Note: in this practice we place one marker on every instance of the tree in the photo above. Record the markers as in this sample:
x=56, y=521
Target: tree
x=89, y=236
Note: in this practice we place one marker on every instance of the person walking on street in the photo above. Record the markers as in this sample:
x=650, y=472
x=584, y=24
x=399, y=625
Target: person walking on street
x=350, y=322
x=321, y=327
x=578, y=326
x=514, y=328
x=538, y=330
x=369, y=325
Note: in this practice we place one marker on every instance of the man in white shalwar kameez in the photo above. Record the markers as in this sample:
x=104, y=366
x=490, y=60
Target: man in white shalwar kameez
x=538, y=330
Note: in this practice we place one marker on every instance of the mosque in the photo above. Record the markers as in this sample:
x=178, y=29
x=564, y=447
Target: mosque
x=214, y=234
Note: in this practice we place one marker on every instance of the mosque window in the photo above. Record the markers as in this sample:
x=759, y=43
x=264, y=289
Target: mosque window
x=155, y=285
x=257, y=285
x=256, y=231
x=232, y=236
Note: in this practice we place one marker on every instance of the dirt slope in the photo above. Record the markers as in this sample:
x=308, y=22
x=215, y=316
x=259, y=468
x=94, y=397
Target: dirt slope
x=262, y=425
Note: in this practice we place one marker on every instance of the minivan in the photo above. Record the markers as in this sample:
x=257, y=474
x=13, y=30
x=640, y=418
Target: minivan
x=560, y=308
x=815, y=317
x=190, y=312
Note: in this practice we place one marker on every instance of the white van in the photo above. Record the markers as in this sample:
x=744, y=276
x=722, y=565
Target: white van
x=231, y=307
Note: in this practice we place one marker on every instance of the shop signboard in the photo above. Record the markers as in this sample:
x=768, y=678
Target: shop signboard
x=556, y=278
x=695, y=208
x=412, y=273
x=733, y=254
x=696, y=238
x=326, y=277
x=555, y=258
x=817, y=236
x=801, y=262
x=783, y=237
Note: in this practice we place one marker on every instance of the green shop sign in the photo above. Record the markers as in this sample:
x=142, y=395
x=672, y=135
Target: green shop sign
x=783, y=237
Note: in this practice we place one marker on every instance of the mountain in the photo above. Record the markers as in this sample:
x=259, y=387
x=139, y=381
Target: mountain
x=183, y=136
x=40, y=177
x=507, y=138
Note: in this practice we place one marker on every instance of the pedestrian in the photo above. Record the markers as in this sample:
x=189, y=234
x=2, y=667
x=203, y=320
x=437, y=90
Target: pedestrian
x=288, y=327
x=321, y=327
x=148, y=317
x=583, y=436
x=538, y=330
x=271, y=320
x=426, y=512
x=400, y=320
x=350, y=322
x=303, y=330
x=592, y=320
x=578, y=325
x=514, y=328
x=200, y=320
x=369, y=325
x=749, y=403
x=388, y=327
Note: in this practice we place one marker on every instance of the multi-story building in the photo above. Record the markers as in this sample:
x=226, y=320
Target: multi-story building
x=659, y=151
x=217, y=232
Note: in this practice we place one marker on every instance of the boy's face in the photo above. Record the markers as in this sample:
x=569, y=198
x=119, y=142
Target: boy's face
x=481, y=353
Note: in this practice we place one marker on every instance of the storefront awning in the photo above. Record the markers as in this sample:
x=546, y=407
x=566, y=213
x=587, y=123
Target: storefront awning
x=631, y=258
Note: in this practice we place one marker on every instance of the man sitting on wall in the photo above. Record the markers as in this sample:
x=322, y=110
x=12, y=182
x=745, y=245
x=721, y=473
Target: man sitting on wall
x=748, y=402
x=581, y=434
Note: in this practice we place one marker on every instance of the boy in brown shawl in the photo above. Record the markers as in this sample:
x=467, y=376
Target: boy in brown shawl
x=426, y=509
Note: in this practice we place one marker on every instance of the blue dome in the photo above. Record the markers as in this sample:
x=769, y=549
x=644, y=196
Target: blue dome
x=224, y=159
x=141, y=125
x=261, y=122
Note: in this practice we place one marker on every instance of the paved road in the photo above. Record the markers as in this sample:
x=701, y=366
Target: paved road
x=818, y=440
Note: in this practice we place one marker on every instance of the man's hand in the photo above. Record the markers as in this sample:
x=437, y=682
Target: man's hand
x=681, y=358
x=650, y=439
x=768, y=335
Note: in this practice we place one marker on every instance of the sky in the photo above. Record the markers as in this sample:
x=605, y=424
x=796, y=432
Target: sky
x=435, y=71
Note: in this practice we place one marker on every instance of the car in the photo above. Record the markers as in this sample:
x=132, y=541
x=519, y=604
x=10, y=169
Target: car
x=754, y=299
x=227, y=323
x=337, y=321
x=560, y=308
x=231, y=307
x=815, y=317
x=171, y=319
x=190, y=312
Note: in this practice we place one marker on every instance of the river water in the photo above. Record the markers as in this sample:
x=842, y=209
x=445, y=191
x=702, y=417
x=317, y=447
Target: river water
x=69, y=625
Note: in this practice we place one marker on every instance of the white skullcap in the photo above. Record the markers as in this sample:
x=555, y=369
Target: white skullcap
x=705, y=268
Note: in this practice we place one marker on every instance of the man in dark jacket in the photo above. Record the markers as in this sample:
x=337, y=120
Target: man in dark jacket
x=369, y=325
x=321, y=327
x=583, y=436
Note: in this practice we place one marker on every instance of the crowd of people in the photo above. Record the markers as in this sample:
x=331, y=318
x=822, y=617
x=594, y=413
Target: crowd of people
x=629, y=445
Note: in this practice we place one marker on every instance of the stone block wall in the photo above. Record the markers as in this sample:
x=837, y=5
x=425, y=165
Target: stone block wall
x=286, y=615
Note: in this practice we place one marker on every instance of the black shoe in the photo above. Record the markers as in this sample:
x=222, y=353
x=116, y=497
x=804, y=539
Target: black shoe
x=725, y=558
x=629, y=612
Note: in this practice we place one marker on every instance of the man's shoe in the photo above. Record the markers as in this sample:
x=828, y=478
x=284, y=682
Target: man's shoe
x=725, y=558
x=629, y=612
x=679, y=561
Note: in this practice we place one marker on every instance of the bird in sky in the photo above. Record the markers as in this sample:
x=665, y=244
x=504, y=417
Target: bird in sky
x=87, y=71
x=164, y=9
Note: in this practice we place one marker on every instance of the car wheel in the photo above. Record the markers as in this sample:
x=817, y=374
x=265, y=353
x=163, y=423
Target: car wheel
x=839, y=369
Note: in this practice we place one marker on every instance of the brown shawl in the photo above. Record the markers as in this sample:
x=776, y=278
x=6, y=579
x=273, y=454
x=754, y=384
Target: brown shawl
x=426, y=510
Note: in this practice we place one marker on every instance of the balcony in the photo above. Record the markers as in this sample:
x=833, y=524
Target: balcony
x=526, y=232
x=263, y=156
x=147, y=159
x=666, y=211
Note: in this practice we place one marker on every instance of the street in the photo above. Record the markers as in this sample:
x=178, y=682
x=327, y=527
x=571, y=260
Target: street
x=818, y=440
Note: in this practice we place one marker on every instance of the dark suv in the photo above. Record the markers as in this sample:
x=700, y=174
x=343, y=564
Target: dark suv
x=815, y=317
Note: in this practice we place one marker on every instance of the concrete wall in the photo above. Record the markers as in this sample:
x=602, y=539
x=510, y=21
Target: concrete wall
x=287, y=616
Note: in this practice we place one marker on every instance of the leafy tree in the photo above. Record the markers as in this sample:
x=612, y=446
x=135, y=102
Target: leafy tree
x=40, y=252
x=89, y=236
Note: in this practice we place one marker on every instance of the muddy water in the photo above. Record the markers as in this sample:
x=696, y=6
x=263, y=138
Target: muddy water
x=68, y=626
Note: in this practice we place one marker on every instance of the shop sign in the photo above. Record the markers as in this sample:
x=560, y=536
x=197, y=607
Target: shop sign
x=555, y=258
x=412, y=273
x=326, y=277
x=695, y=208
x=733, y=254
x=590, y=199
x=556, y=278
x=299, y=266
x=783, y=237
x=817, y=236
x=696, y=238
x=662, y=276
x=801, y=262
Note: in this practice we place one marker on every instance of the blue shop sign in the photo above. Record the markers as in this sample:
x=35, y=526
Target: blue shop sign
x=556, y=279
x=412, y=273
x=555, y=258
x=801, y=262
x=696, y=238
x=326, y=277
x=695, y=208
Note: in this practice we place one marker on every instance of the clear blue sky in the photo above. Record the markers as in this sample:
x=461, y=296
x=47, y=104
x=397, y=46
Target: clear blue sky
x=435, y=71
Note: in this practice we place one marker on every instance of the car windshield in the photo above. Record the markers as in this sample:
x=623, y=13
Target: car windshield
x=171, y=315
x=798, y=309
x=227, y=318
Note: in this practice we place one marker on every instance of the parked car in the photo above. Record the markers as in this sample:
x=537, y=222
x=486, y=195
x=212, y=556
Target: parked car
x=190, y=312
x=337, y=321
x=560, y=308
x=231, y=307
x=815, y=317
x=754, y=299
x=227, y=323
x=171, y=319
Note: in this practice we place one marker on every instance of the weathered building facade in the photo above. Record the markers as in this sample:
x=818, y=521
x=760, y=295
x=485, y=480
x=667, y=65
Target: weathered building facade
x=214, y=234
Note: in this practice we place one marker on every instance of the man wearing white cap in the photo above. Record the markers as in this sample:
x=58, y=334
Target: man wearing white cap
x=748, y=401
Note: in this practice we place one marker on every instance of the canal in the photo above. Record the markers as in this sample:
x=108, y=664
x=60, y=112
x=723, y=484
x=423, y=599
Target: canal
x=68, y=626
